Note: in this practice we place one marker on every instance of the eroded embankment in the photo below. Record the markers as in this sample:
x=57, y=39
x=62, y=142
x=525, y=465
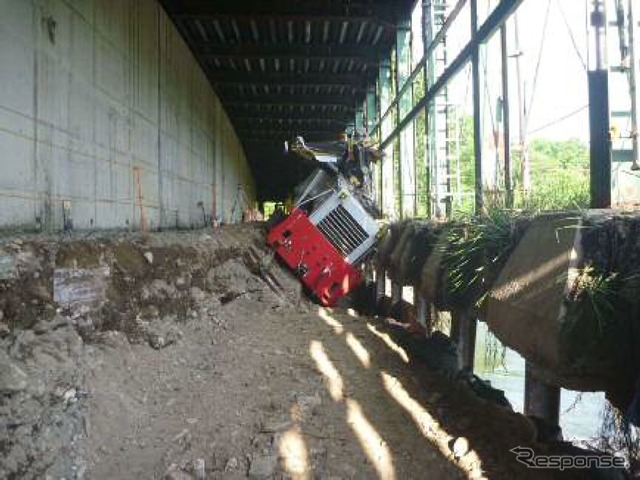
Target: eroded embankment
x=60, y=297
x=182, y=355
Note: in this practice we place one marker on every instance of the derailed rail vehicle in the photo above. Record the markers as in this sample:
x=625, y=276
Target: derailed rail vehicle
x=333, y=227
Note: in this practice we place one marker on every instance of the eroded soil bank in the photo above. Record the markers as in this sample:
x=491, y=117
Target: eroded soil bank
x=189, y=355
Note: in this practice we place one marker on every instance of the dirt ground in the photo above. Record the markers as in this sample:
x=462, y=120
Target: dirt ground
x=227, y=377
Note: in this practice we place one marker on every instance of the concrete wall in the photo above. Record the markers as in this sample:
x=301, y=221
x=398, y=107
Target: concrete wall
x=104, y=110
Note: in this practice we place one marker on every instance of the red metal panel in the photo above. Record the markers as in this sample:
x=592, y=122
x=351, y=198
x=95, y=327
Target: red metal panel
x=318, y=265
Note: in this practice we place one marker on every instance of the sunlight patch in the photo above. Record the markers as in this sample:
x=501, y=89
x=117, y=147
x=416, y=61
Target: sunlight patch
x=372, y=443
x=389, y=342
x=338, y=328
x=358, y=350
x=323, y=363
x=293, y=452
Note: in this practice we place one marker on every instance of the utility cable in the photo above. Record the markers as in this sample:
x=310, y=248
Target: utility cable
x=538, y=63
x=559, y=120
x=571, y=35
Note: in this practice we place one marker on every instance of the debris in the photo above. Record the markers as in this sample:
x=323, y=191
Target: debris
x=12, y=378
x=232, y=464
x=175, y=473
x=199, y=469
x=161, y=334
x=309, y=403
x=69, y=396
x=197, y=295
x=149, y=257
x=263, y=466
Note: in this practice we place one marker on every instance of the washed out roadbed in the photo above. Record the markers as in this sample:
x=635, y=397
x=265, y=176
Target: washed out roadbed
x=211, y=369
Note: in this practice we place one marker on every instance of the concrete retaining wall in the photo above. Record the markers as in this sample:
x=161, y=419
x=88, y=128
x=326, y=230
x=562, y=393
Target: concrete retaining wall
x=104, y=111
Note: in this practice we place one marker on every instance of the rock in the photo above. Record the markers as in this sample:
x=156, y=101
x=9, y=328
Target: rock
x=460, y=447
x=309, y=403
x=12, y=378
x=150, y=312
x=162, y=334
x=199, y=469
x=197, y=295
x=158, y=289
x=148, y=257
x=183, y=281
x=232, y=464
x=274, y=427
x=174, y=473
x=263, y=467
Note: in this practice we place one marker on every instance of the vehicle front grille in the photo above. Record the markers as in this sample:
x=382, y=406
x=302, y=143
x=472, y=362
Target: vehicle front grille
x=343, y=231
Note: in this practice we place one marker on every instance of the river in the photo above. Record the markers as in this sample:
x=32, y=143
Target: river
x=580, y=412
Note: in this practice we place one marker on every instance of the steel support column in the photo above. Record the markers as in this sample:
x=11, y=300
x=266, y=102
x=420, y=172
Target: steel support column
x=423, y=311
x=477, y=113
x=600, y=150
x=429, y=110
x=540, y=399
x=465, y=336
x=371, y=113
x=381, y=284
x=359, y=119
x=407, y=175
x=506, y=118
x=396, y=293
x=387, y=202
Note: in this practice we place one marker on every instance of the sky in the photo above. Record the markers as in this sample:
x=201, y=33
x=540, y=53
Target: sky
x=561, y=85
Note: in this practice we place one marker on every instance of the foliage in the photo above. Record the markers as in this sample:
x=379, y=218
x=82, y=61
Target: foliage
x=476, y=252
x=600, y=291
x=559, y=169
x=560, y=176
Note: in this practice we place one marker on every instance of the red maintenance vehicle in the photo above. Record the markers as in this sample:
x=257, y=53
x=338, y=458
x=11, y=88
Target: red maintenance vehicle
x=333, y=226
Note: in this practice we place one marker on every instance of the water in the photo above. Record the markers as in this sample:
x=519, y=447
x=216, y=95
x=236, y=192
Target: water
x=580, y=412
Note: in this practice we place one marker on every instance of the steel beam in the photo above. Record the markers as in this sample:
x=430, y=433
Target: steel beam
x=361, y=53
x=275, y=100
x=281, y=135
x=280, y=117
x=296, y=81
x=383, y=12
x=238, y=77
